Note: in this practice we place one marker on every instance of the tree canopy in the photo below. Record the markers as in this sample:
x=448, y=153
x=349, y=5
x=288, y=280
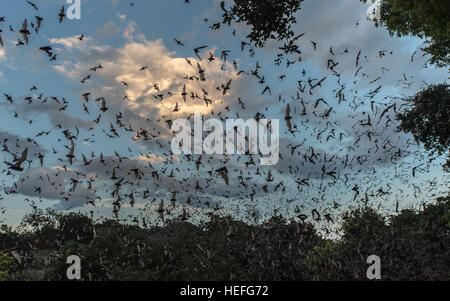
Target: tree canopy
x=428, y=119
x=413, y=245
x=268, y=19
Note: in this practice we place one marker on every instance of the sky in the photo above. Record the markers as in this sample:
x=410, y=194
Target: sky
x=337, y=161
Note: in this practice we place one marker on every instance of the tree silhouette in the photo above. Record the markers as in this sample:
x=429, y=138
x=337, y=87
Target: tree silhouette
x=428, y=119
x=268, y=19
x=414, y=245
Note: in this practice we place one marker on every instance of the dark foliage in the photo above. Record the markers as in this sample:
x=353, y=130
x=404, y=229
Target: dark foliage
x=411, y=245
x=268, y=19
x=428, y=120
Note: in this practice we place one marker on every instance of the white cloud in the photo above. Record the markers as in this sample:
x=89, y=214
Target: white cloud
x=165, y=74
x=2, y=54
x=121, y=17
x=374, y=11
x=71, y=43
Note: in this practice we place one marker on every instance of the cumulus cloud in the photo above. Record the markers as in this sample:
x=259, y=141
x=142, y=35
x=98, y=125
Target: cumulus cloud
x=144, y=80
x=54, y=184
x=15, y=144
x=2, y=54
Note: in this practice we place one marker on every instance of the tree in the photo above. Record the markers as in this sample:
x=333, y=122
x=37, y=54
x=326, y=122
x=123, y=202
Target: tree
x=425, y=19
x=428, y=120
x=7, y=266
x=413, y=245
x=268, y=19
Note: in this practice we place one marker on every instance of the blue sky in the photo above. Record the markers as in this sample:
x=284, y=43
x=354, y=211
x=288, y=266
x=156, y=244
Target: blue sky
x=123, y=39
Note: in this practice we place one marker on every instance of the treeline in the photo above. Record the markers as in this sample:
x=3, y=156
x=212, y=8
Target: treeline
x=413, y=245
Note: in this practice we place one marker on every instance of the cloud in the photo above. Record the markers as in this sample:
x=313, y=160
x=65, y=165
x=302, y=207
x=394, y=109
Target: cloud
x=121, y=17
x=56, y=117
x=347, y=34
x=53, y=184
x=72, y=43
x=151, y=93
x=165, y=74
x=142, y=81
x=2, y=54
x=107, y=30
x=15, y=144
